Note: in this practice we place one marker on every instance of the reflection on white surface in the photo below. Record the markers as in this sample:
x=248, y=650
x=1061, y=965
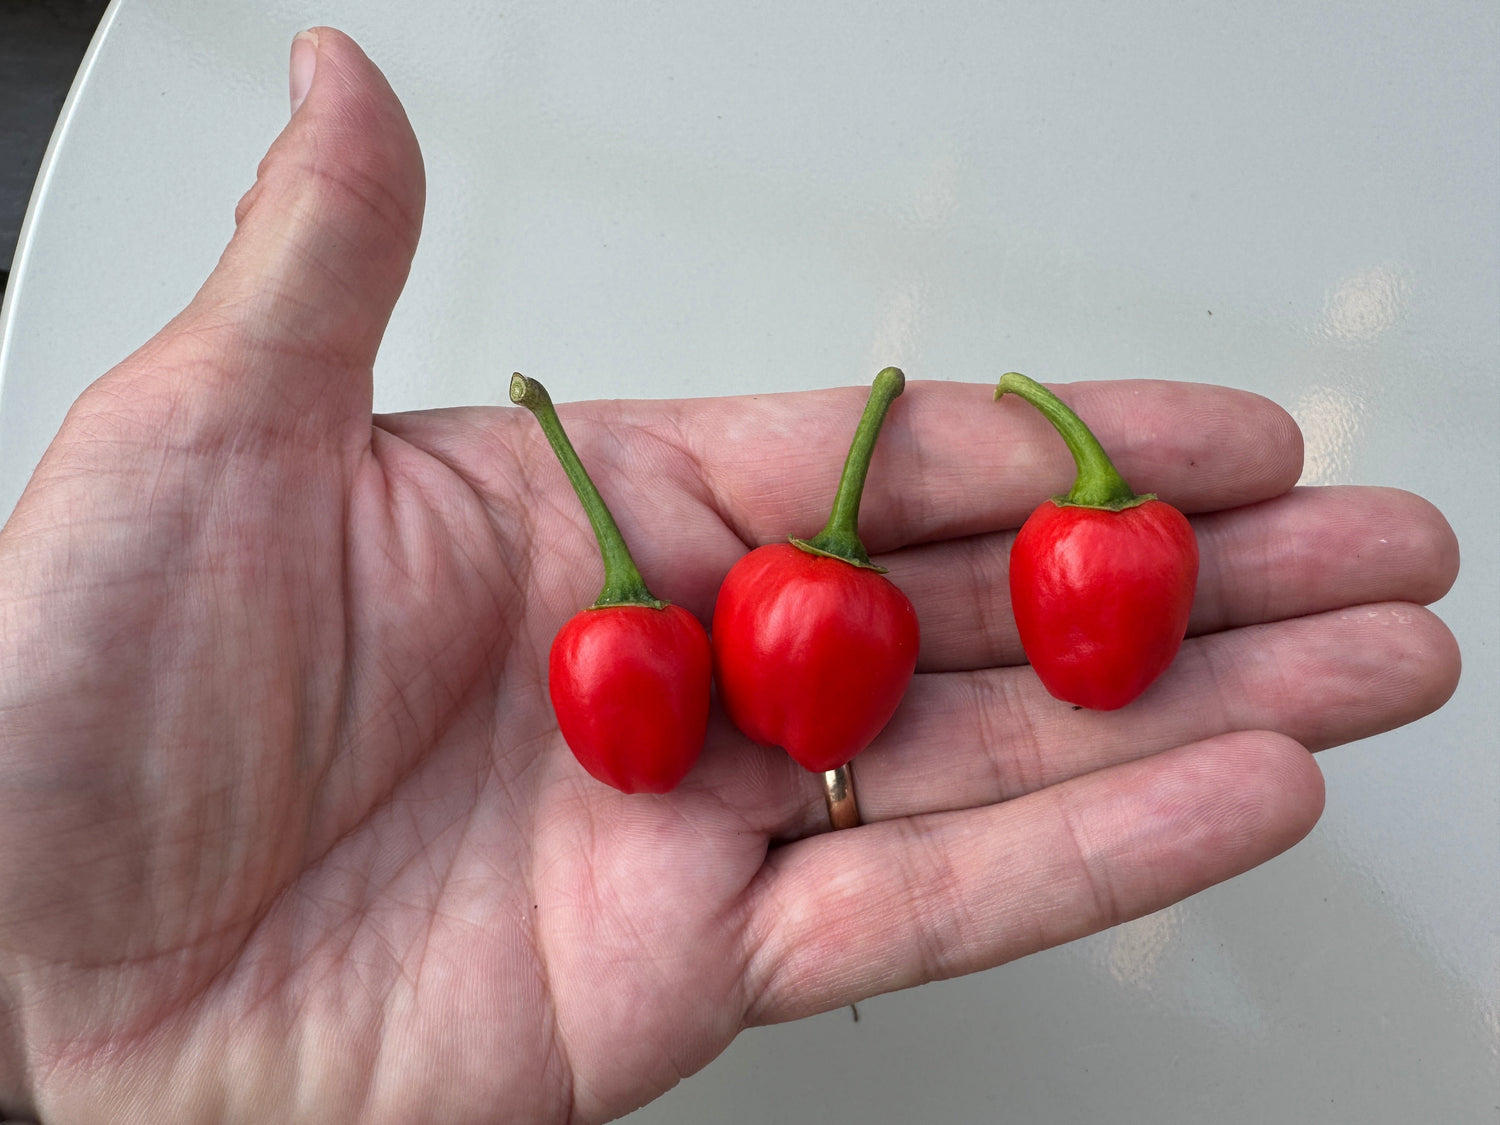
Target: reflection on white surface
x=898, y=328
x=1331, y=419
x=1174, y=959
x=936, y=197
x=1362, y=308
x=1334, y=409
x=911, y=283
x=1133, y=952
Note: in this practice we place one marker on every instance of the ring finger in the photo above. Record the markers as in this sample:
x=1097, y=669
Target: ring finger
x=968, y=739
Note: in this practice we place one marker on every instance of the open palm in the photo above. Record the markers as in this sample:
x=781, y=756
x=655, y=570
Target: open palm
x=287, y=831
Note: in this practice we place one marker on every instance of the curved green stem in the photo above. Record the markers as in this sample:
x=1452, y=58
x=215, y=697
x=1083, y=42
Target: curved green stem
x=1099, y=484
x=623, y=584
x=839, y=538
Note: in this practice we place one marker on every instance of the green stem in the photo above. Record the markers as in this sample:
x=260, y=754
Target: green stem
x=623, y=584
x=839, y=538
x=1099, y=484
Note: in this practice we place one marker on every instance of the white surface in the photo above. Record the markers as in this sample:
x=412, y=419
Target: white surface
x=694, y=198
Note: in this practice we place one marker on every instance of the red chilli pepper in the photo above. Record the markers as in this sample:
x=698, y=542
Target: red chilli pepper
x=813, y=647
x=630, y=676
x=1101, y=580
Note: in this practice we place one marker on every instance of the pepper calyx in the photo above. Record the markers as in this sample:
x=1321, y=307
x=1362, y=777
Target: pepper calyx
x=1065, y=500
x=608, y=600
x=854, y=554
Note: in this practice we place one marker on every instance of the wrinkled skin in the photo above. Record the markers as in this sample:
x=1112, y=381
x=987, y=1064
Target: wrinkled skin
x=287, y=831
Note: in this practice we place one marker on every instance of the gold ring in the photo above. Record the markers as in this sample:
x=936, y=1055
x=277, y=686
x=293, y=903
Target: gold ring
x=838, y=791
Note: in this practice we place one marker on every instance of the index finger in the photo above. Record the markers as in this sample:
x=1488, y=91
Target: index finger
x=952, y=462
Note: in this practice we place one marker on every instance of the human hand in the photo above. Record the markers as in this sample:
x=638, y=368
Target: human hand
x=286, y=828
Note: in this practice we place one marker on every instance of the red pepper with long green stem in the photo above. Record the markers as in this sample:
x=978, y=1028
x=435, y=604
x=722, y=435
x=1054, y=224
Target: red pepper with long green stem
x=630, y=676
x=813, y=645
x=1101, y=579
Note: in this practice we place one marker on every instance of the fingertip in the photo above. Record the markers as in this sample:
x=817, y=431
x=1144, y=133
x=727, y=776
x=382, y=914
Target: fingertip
x=1293, y=772
x=1435, y=545
x=1247, y=796
x=1434, y=662
x=1269, y=435
x=353, y=115
x=1285, y=444
x=323, y=240
x=1200, y=447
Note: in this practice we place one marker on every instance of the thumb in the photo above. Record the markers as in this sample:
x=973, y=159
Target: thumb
x=295, y=310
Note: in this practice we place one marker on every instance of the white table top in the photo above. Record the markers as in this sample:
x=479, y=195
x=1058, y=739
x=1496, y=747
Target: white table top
x=706, y=197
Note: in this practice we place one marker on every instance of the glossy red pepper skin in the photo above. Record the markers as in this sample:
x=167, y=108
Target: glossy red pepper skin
x=1101, y=598
x=811, y=653
x=630, y=686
